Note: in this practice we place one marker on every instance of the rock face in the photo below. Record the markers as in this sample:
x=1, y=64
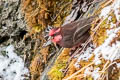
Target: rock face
x=12, y=25
x=13, y=29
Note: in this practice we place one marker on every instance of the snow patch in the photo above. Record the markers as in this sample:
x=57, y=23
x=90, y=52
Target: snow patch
x=12, y=66
x=109, y=52
x=118, y=65
x=93, y=72
x=115, y=7
x=105, y=11
x=96, y=74
x=87, y=54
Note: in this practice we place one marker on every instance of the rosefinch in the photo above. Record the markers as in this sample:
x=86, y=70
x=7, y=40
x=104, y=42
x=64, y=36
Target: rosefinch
x=72, y=34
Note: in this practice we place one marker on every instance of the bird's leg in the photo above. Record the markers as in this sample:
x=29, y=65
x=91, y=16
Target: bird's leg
x=72, y=50
x=56, y=47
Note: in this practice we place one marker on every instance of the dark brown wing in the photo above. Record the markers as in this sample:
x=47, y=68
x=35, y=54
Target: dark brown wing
x=67, y=34
x=73, y=32
x=82, y=28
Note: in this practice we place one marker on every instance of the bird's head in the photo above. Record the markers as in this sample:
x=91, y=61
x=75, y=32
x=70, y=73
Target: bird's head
x=55, y=34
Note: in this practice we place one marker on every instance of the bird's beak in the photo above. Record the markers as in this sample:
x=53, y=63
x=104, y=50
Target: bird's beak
x=48, y=42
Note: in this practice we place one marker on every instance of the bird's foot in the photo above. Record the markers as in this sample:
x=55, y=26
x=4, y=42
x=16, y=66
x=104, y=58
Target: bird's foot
x=72, y=50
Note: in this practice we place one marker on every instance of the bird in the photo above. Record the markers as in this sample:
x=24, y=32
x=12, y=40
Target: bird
x=72, y=34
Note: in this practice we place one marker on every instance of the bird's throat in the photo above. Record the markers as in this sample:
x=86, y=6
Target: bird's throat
x=57, y=38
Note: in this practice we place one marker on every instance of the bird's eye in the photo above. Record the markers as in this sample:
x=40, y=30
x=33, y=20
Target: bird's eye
x=54, y=34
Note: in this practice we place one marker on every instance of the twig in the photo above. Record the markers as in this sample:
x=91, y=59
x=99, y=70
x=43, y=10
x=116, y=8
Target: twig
x=78, y=71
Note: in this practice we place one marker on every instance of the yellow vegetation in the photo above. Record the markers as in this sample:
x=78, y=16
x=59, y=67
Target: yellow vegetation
x=45, y=52
x=56, y=71
x=38, y=15
x=36, y=67
x=41, y=13
x=100, y=34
